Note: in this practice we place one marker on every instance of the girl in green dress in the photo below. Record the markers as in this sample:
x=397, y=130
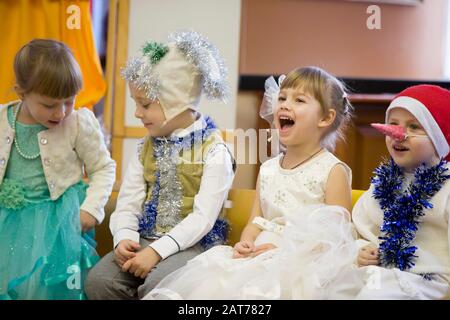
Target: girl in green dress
x=47, y=211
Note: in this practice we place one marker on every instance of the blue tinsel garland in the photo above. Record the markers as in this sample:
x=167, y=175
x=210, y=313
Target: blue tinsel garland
x=403, y=210
x=147, y=221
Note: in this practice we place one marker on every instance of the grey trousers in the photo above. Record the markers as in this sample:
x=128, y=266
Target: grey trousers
x=107, y=281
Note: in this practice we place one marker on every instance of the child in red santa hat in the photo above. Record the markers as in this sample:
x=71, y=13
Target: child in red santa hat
x=403, y=219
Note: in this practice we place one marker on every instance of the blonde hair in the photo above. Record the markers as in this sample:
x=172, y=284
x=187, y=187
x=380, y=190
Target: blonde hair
x=47, y=67
x=330, y=92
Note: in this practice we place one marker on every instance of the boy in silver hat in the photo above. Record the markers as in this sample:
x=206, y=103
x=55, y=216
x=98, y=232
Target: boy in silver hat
x=169, y=205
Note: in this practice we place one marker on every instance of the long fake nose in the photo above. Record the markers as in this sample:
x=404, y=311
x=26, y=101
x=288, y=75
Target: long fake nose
x=396, y=132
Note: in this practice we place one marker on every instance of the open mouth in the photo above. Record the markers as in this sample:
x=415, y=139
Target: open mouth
x=286, y=122
x=400, y=148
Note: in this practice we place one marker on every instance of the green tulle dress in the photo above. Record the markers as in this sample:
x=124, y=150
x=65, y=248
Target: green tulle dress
x=43, y=254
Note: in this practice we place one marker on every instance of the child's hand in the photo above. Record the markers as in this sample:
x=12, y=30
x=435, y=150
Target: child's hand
x=263, y=248
x=142, y=263
x=125, y=250
x=368, y=255
x=87, y=221
x=243, y=249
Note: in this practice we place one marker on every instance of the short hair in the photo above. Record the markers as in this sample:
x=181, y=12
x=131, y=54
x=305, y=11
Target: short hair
x=47, y=67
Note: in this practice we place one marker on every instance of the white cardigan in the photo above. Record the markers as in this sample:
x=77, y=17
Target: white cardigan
x=432, y=238
x=66, y=150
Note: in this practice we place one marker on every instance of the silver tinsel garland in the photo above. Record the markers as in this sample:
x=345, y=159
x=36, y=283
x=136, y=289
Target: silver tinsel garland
x=171, y=191
x=198, y=51
x=206, y=57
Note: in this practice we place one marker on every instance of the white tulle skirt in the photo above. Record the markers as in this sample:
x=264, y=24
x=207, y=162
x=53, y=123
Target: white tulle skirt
x=313, y=260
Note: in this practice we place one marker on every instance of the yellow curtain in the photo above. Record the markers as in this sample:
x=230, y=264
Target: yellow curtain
x=24, y=20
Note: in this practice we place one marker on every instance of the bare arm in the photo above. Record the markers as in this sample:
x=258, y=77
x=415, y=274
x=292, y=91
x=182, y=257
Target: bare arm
x=338, y=190
x=251, y=231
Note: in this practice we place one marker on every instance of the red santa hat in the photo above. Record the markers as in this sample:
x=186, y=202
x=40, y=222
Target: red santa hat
x=431, y=106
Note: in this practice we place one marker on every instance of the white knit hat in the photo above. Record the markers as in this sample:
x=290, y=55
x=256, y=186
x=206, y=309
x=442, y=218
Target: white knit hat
x=177, y=73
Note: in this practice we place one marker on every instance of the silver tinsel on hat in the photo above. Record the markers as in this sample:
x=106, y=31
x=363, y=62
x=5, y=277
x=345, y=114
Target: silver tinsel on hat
x=198, y=51
x=206, y=57
x=139, y=72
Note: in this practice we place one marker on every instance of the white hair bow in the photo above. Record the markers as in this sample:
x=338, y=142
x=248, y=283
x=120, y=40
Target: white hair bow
x=267, y=110
x=270, y=99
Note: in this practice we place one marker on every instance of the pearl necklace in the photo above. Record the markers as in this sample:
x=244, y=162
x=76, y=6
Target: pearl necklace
x=16, y=140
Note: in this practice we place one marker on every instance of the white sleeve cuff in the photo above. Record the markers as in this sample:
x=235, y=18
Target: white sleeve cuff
x=125, y=234
x=165, y=246
x=98, y=215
